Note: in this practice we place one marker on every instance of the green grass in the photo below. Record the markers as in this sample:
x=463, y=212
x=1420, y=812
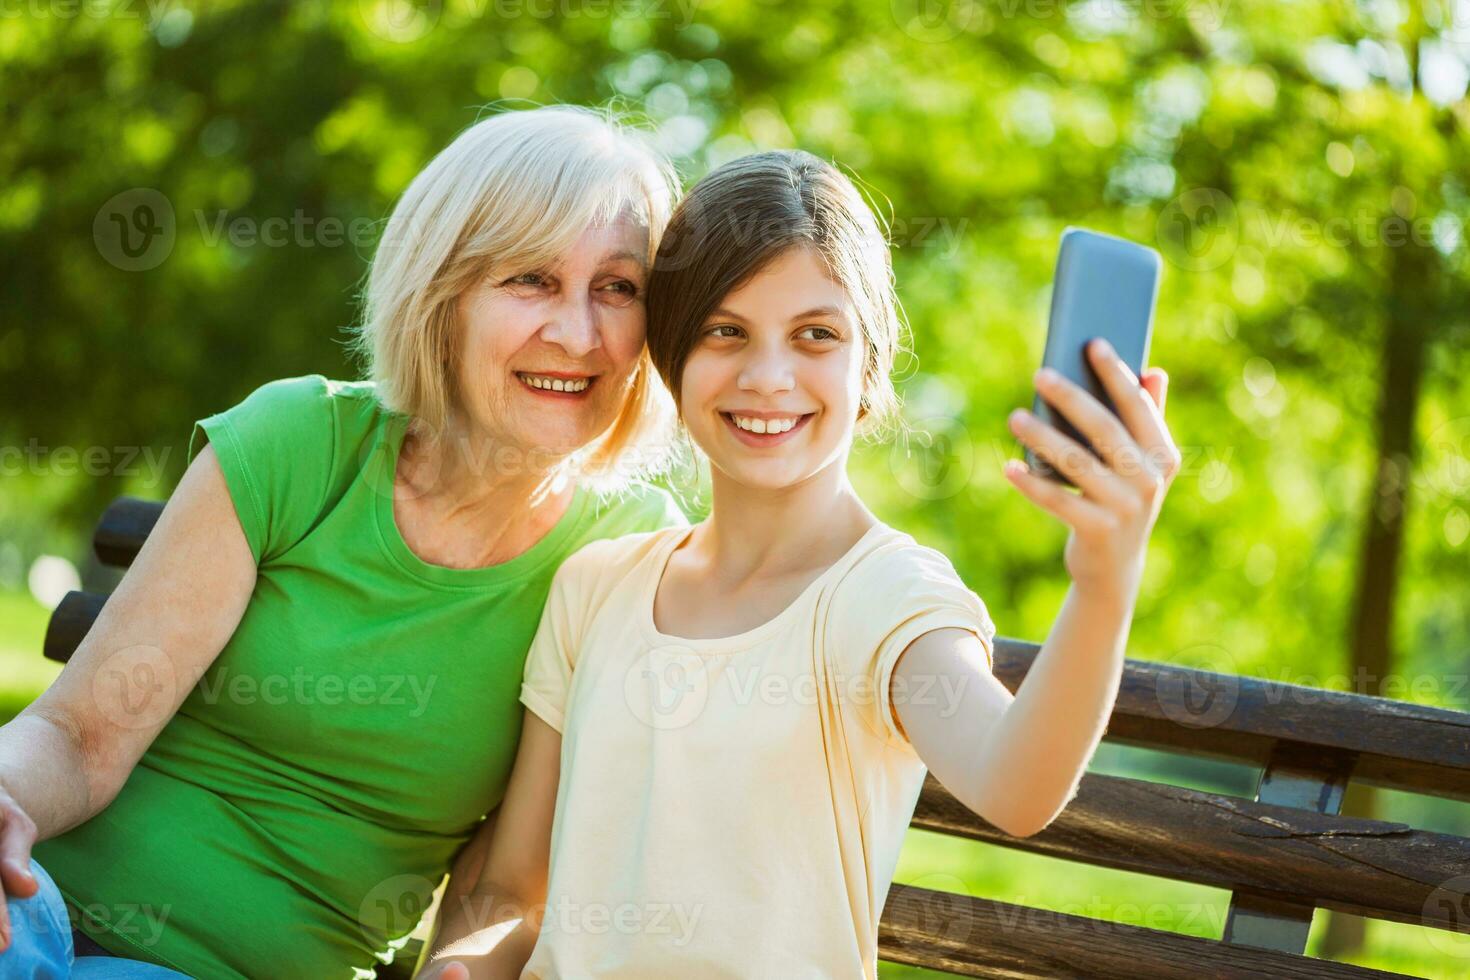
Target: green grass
x=24, y=673
x=929, y=860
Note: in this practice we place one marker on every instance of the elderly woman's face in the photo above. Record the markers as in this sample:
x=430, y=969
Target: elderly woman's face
x=548, y=353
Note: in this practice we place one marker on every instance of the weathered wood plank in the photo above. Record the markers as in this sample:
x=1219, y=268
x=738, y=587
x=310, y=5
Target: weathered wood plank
x=1399, y=744
x=976, y=937
x=1365, y=867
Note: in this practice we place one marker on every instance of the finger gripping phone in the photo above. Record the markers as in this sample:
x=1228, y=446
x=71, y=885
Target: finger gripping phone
x=1104, y=287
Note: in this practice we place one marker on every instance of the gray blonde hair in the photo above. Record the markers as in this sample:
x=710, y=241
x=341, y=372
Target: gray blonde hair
x=519, y=188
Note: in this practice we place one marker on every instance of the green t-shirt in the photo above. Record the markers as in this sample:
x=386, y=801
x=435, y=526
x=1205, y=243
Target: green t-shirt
x=294, y=817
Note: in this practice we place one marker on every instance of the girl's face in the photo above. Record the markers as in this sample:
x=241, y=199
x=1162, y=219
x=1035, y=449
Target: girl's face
x=770, y=391
x=578, y=325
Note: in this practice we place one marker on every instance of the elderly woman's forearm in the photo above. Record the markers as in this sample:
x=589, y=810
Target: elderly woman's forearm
x=42, y=769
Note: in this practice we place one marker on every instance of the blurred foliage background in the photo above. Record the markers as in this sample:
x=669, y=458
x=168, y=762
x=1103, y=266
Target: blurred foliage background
x=189, y=194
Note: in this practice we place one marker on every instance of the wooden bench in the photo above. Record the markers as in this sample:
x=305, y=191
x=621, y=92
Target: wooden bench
x=1282, y=855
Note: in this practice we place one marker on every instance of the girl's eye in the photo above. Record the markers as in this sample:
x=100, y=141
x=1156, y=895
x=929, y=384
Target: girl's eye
x=823, y=333
x=715, y=331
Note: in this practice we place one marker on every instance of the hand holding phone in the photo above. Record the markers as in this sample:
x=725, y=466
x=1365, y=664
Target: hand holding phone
x=1099, y=417
x=1104, y=287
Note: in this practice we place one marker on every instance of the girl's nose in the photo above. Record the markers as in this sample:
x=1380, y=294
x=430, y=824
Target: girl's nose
x=767, y=373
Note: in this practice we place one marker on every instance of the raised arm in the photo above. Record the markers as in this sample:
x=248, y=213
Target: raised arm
x=1018, y=764
x=488, y=931
x=66, y=756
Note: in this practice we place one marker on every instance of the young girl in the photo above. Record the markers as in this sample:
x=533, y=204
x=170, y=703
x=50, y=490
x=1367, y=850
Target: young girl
x=729, y=724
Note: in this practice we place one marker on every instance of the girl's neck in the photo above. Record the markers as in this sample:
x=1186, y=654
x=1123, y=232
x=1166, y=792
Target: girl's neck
x=754, y=532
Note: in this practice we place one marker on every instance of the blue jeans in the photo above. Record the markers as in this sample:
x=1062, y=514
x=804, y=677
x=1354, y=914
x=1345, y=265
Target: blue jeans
x=41, y=947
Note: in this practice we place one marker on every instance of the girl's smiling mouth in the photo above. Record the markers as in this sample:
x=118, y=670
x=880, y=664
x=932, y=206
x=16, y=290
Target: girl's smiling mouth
x=764, y=429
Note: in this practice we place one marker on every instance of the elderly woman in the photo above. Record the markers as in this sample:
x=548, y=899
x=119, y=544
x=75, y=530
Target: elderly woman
x=302, y=700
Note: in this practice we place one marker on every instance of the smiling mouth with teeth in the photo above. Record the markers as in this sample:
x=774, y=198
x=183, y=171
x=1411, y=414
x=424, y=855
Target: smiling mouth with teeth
x=542, y=382
x=763, y=426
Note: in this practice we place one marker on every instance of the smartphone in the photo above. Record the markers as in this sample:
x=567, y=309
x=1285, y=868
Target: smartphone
x=1104, y=287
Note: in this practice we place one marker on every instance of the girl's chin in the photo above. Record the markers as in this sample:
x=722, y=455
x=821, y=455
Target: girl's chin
x=761, y=474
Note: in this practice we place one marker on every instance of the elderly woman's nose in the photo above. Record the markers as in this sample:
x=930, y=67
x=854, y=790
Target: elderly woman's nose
x=574, y=327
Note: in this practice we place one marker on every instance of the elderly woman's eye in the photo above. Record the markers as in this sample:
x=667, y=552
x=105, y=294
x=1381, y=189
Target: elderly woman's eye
x=623, y=287
x=526, y=279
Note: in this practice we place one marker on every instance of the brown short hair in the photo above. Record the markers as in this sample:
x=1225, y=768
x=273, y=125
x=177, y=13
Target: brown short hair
x=738, y=219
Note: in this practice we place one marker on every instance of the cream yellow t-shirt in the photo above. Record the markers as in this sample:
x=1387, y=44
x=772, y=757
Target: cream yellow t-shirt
x=731, y=807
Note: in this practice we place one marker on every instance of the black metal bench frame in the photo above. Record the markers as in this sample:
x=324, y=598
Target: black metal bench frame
x=1282, y=855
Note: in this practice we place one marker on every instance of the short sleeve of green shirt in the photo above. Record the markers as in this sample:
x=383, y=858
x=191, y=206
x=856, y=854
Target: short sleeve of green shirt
x=276, y=451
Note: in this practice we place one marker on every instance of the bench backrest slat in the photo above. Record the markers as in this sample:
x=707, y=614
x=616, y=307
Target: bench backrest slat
x=976, y=937
x=1366, y=867
x=1399, y=745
